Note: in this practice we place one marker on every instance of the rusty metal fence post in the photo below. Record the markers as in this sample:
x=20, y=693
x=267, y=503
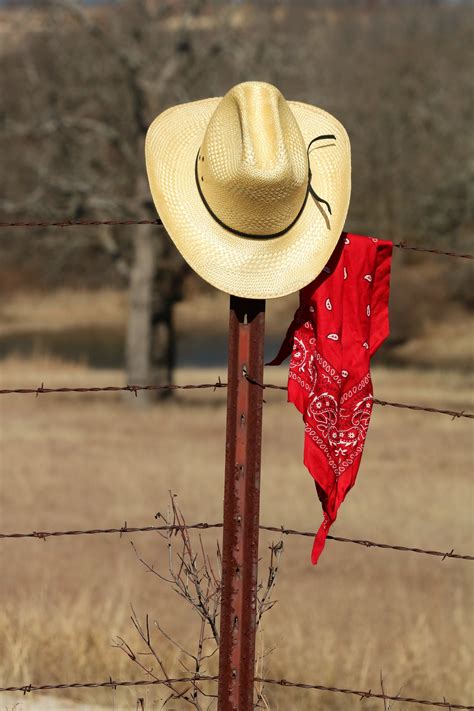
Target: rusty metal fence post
x=241, y=506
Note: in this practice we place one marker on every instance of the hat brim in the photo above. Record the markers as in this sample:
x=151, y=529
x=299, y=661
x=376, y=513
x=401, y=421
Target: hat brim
x=247, y=267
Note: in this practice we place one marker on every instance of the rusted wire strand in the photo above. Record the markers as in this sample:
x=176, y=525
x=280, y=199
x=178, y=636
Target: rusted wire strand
x=404, y=245
x=81, y=223
x=43, y=535
x=112, y=684
x=452, y=413
x=135, y=389
x=370, y=544
x=363, y=694
x=157, y=221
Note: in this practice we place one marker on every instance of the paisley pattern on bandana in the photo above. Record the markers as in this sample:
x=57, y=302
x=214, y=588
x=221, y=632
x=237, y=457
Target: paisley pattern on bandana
x=340, y=323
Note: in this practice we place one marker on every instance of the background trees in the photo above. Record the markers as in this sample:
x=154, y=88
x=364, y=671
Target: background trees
x=81, y=84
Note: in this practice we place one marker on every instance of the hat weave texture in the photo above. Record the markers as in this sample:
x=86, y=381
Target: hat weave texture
x=239, y=164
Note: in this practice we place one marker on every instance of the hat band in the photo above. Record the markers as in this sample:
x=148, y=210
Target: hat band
x=309, y=190
x=238, y=232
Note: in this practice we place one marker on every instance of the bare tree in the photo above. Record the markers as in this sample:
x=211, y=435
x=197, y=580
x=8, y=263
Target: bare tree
x=156, y=273
x=154, y=270
x=80, y=85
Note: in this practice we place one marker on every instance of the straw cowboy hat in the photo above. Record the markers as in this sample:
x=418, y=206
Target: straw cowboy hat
x=252, y=189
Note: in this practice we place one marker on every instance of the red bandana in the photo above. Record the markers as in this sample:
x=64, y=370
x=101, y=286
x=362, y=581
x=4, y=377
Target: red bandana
x=341, y=321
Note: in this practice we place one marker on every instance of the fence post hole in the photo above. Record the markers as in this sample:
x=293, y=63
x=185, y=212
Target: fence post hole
x=241, y=505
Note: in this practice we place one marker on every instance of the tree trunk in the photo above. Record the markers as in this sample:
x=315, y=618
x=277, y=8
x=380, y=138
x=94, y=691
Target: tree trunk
x=139, y=330
x=155, y=287
x=163, y=340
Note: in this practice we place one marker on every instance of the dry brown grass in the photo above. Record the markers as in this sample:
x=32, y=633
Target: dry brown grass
x=84, y=461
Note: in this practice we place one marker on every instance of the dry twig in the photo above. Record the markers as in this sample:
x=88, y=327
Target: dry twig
x=193, y=576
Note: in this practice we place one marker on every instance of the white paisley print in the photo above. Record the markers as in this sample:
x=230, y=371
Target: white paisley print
x=340, y=323
x=336, y=423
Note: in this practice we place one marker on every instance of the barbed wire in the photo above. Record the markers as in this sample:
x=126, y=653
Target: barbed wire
x=112, y=684
x=452, y=413
x=370, y=544
x=364, y=694
x=135, y=389
x=81, y=223
x=430, y=250
x=157, y=221
x=43, y=535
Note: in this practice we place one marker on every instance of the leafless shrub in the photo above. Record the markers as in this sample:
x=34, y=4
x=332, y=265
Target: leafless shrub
x=196, y=579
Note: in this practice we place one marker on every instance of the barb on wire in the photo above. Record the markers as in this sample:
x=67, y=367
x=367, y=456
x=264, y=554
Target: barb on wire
x=365, y=694
x=111, y=683
x=371, y=544
x=157, y=221
x=135, y=389
x=81, y=223
x=43, y=535
x=28, y=688
x=404, y=245
x=453, y=413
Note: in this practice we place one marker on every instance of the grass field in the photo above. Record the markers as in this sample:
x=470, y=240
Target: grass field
x=86, y=461
x=72, y=461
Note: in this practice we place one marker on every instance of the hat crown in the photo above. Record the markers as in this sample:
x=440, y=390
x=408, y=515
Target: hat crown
x=252, y=167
